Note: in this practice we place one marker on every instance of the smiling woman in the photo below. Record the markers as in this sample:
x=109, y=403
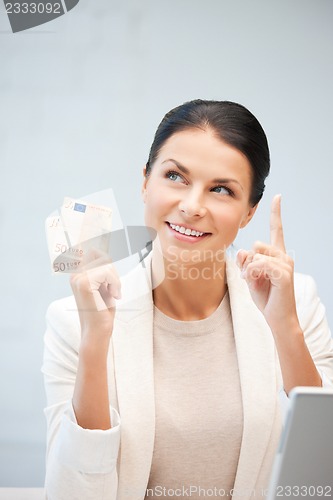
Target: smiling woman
x=178, y=386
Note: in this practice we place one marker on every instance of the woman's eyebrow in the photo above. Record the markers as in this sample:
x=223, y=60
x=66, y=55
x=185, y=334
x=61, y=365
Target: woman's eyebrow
x=186, y=171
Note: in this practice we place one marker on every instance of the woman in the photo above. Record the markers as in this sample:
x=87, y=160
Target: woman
x=191, y=363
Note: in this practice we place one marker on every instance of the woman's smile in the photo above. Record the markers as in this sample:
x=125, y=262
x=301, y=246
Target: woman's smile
x=185, y=233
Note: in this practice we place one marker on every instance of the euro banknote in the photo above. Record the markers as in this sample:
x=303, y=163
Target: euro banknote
x=78, y=235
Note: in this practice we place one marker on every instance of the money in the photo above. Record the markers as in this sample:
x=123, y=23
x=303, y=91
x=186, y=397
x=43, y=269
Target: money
x=78, y=235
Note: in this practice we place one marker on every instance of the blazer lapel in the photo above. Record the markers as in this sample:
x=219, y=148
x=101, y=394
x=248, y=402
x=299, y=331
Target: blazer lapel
x=258, y=378
x=134, y=377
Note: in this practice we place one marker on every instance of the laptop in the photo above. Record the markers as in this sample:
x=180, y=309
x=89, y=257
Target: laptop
x=303, y=466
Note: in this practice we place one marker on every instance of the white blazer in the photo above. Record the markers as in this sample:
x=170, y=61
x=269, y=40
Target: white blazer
x=115, y=464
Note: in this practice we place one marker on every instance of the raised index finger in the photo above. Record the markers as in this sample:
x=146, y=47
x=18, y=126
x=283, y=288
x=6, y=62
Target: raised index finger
x=277, y=238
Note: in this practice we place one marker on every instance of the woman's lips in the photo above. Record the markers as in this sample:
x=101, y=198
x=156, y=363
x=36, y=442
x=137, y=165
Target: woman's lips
x=185, y=237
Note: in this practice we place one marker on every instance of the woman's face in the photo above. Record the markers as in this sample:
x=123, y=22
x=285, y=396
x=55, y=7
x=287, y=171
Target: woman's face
x=197, y=183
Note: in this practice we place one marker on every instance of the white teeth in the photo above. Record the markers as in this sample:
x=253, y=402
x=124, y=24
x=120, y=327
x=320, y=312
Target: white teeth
x=187, y=231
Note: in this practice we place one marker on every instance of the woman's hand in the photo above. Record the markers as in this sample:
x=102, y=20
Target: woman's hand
x=269, y=273
x=95, y=290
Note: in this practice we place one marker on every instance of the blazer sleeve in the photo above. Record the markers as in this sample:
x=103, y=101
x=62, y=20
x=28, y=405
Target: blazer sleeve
x=317, y=335
x=312, y=318
x=80, y=463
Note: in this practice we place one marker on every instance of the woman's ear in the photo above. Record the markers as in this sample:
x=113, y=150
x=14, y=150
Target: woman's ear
x=144, y=184
x=248, y=217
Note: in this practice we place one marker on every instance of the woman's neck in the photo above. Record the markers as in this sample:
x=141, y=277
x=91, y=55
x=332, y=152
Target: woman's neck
x=189, y=291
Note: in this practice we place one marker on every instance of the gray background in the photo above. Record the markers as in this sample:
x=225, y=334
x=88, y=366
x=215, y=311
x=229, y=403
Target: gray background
x=80, y=100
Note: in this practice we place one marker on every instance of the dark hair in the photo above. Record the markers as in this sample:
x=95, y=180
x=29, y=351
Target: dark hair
x=233, y=124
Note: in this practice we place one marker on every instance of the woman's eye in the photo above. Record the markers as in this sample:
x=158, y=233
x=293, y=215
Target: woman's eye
x=173, y=176
x=222, y=190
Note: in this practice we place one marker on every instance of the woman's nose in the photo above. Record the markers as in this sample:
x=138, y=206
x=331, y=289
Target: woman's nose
x=192, y=205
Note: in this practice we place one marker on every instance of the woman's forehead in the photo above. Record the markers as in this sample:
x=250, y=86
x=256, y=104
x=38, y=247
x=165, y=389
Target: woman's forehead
x=195, y=148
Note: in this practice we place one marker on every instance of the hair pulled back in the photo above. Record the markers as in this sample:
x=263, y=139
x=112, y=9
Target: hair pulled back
x=232, y=123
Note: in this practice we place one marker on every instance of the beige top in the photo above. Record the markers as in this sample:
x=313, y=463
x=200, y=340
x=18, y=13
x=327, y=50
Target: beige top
x=199, y=417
